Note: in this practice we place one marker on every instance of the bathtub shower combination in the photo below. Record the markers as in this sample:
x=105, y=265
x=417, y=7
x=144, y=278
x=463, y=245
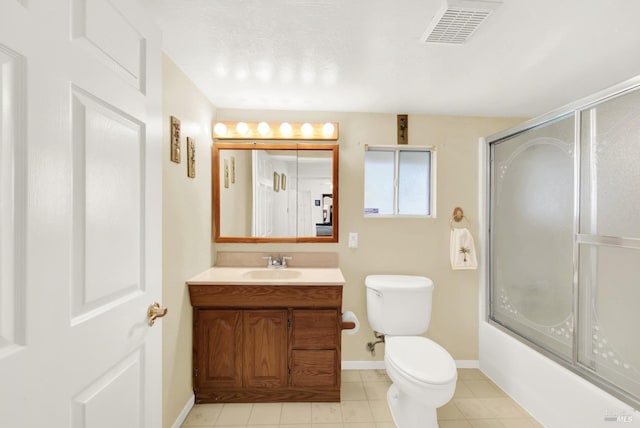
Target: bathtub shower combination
x=564, y=237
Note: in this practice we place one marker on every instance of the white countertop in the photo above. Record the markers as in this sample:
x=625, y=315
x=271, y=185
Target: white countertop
x=257, y=275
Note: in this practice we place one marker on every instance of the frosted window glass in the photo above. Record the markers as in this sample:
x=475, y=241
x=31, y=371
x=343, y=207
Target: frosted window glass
x=378, y=182
x=413, y=186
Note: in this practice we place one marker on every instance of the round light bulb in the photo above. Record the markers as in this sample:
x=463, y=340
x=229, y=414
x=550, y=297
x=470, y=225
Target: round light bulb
x=263, y=128
x=220, y=129
x=307, y=130
x=242, y=128
x=327, y=129
x=286, y=129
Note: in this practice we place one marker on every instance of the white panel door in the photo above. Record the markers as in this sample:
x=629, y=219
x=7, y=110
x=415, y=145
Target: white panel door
x=80, y=193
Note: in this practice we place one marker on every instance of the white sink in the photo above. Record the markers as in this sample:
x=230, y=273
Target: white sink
x=272, y=274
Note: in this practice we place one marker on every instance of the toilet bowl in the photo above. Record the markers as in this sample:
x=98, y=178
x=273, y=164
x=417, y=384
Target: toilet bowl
x=424, y=378
x=423, y=373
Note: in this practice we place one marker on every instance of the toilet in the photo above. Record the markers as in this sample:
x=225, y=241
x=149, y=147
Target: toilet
x=423, y=373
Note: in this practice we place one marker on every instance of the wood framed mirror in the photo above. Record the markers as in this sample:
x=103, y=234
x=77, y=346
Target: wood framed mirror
x=275, y=192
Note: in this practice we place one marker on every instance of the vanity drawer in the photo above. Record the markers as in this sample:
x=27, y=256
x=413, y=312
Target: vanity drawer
x=261, y=296
x=315, y=328
x=315, y=368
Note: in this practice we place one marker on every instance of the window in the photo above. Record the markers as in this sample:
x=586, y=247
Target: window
x=398, y=181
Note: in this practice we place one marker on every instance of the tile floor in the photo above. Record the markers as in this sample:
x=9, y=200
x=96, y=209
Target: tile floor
x=477, y=403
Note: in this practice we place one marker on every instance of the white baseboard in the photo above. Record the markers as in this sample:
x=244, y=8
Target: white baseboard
x=468, y=364
x=377, y=365
x=185, y=411
x=362, y=365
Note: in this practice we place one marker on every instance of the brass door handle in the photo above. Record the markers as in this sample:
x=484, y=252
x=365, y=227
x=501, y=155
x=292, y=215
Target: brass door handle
x=155, y=311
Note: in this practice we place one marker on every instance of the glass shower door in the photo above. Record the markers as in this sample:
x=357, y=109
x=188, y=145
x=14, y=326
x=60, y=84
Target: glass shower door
x=531, y=238
x=609, y=242
x=564, y=238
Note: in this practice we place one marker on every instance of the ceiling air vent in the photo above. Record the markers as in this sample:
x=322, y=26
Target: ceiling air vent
x=457, y=20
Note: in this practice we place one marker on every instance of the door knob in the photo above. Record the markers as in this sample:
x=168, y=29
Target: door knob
x=155, y=311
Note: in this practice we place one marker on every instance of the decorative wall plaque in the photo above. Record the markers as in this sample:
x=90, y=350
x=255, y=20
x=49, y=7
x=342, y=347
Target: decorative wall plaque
x=191, y=158
x=175, y=139
x=403, y=129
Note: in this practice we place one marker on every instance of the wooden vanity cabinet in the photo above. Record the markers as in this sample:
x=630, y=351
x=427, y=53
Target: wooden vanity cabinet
x=282, y=343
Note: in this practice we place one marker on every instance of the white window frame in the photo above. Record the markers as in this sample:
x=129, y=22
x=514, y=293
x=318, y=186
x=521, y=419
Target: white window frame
x=432, y=179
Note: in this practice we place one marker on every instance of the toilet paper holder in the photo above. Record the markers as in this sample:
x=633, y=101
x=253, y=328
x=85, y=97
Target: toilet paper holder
x=348, y=325
x=349, y=321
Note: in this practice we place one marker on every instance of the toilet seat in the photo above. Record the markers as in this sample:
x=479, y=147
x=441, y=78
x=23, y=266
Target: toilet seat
x=420, y=359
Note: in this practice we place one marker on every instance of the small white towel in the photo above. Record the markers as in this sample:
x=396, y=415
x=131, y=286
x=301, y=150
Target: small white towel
x=462, y=250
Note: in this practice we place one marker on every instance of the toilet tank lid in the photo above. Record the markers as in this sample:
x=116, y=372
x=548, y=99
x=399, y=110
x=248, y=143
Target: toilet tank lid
x=395, y=282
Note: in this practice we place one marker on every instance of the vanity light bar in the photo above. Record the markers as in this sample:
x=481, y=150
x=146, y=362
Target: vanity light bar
x=230, y=130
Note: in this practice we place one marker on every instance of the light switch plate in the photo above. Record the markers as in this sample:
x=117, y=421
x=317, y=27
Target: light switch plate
x=353, y=240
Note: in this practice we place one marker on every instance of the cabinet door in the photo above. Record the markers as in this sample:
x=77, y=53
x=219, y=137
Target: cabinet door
x=218, y=349
x=265, y=348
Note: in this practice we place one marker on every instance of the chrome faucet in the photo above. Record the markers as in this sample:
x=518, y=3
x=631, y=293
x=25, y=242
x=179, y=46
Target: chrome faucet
x=279, y=262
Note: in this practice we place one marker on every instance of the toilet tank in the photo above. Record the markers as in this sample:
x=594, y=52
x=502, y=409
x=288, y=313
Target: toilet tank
x=399, y=305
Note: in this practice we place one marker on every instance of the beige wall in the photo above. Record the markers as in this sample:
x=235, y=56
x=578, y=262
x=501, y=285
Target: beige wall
x=407, y=246
x=186, y=229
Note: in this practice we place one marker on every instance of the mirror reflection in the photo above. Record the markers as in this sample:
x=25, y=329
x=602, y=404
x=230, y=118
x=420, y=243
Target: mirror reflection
x=275, y=192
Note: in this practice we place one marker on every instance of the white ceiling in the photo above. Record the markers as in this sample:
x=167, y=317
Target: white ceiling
x=529, y=57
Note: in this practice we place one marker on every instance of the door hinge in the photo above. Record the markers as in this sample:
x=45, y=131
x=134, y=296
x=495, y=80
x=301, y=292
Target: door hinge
x=196, y=371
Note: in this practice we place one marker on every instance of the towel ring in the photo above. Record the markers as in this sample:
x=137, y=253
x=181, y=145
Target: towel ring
x=458, y=216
